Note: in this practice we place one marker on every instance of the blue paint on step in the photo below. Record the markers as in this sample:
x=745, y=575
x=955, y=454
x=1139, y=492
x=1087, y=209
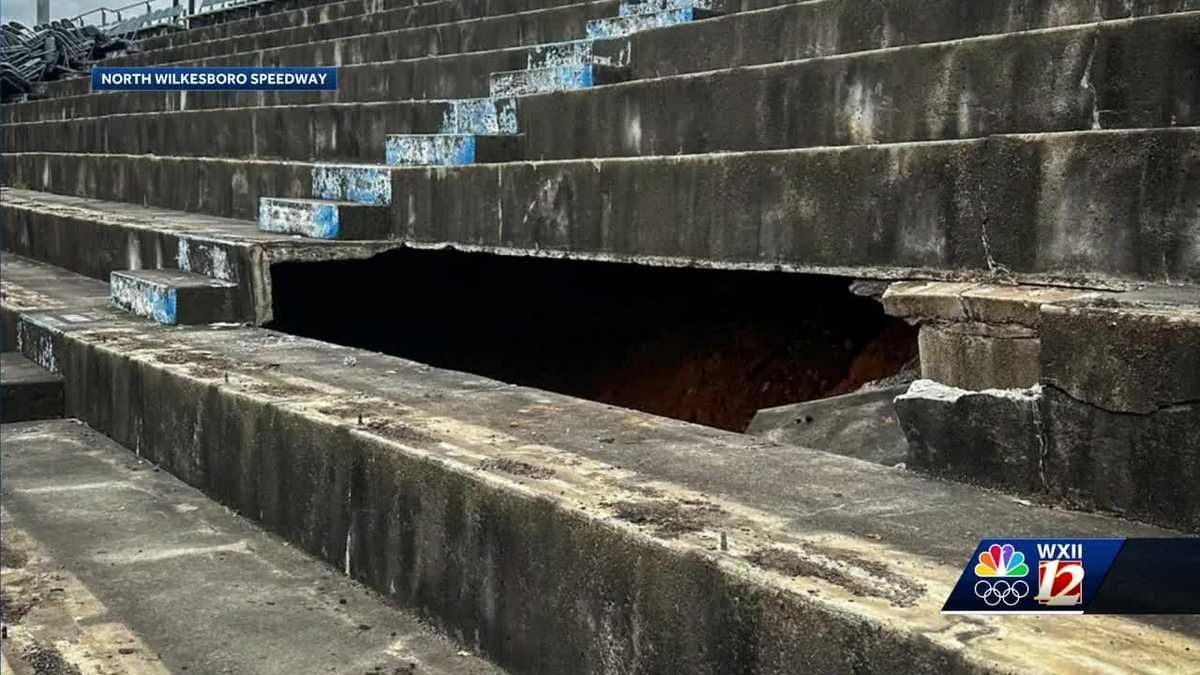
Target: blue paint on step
x=601, y=29
x=430, y=149
x=370, y=185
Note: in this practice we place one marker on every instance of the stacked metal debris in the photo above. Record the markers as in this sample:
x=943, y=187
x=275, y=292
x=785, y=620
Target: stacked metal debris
x=31, y=56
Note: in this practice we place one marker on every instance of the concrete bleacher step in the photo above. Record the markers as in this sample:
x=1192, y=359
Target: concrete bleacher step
x=28, y=391
x=448, y=149
x=901, y=222
x=651, y=6
x=174, y=297
x=898, y=95
x=785, y=33
x=112, y=561
x=579, y=52
x=95, y=238
x=514, y=83
x=370, y=185
x=728, y=540
x=403, y=42
x=486, y=116
x=622, y=26
x=323, y=219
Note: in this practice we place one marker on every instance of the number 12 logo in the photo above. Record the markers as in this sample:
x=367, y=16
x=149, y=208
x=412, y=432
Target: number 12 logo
x=1060, y=582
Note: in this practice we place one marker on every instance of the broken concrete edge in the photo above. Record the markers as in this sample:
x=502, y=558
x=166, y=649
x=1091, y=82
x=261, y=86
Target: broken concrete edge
x=419, y=520
x=1044, y=444
x=983, y=302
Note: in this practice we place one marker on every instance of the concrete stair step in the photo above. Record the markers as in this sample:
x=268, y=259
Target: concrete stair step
x=449, y=149
x=485, y=116
x=28, y=391
x=121, y=594
x=603, y=527
x=349, y=18
x=174, y=297
x=748, y=209
x=405, y=32
x=784, y=33
x=530, y=81
x=654, y=6
x=95, y=238
x=899, y=96
x=364, y=184
x=579, y=52
x=322, y=219
x=622, y=26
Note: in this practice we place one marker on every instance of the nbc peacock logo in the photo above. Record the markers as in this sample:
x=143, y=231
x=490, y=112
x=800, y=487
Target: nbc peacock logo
x=1001, y=571
x=1001, y=561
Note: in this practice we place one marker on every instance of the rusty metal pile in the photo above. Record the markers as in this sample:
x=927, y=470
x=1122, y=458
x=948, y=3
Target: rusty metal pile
x=31, y=56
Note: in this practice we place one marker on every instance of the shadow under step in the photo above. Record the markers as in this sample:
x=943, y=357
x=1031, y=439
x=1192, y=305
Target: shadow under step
x=28, y=391
x=322, y=218
x=174, y=297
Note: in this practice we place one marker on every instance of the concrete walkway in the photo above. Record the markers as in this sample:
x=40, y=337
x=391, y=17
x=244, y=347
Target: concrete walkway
x=114, y=566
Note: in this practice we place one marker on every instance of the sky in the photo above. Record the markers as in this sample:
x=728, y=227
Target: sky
x=24, y=10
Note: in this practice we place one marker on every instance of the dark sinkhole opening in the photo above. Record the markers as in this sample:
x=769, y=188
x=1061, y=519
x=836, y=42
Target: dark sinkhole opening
x=705, y=346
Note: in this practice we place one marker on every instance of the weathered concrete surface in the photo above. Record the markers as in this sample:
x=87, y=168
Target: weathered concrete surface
x=174, y=297
x=1134, y=352
x=402, y=33
x=1106, y=208
x=96, y=238
x=861, y=425
x=979, y=356
x=322, y=219
x=960, y=89
x=796, y=31
x=989, y=303
x=33, y=286
x=621, y=26
x=346, y=18
x=140, y=560
x=499, y=512
x=992, y=437
x=28, y=391
x=528, y=81
x=448, y=149
x=1113, y=423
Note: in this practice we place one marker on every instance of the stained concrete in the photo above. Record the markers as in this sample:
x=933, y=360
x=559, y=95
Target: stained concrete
x=798, y=31
x=973, y=355
x=919, y=209
x=96, y=238
x=992, y=437
x=543, y=526
x=28, y=391
x=959, y=89
x=174, y=297
x=166, y=578
x=861, y=425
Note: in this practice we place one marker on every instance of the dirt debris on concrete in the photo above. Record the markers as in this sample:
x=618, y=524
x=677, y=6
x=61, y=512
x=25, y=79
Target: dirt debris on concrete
x=517, y=468
x=837, y=567
x=669, y=518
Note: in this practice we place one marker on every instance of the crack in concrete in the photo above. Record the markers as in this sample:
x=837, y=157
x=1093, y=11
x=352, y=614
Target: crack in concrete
x=1085, y=82
x=1185, y=403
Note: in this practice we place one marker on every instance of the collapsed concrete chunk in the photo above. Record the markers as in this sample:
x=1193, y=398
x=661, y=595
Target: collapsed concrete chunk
x=991, y=437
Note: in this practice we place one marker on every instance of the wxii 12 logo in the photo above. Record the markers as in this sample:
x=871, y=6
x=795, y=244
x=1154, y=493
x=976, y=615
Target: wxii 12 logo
x=1060, y=575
